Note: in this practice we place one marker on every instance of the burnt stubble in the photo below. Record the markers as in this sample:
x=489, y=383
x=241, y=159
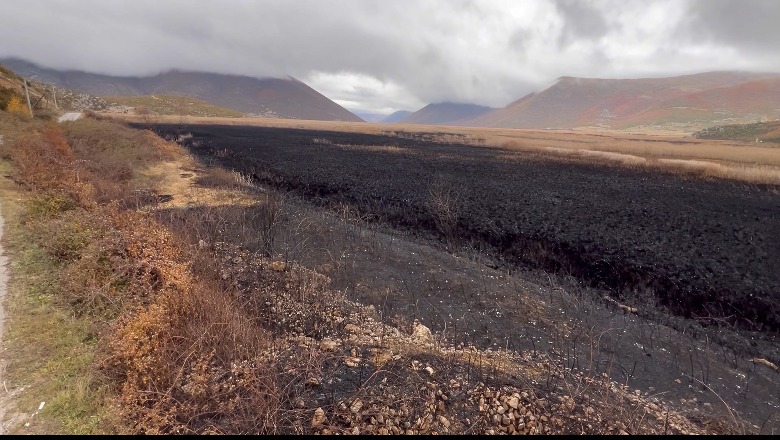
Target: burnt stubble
x=702, y=249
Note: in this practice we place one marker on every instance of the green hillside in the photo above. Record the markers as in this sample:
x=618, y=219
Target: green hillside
x=755, y=132
x=172, y=105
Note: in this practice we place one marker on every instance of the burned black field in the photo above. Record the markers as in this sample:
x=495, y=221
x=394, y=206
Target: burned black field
x=702, y=249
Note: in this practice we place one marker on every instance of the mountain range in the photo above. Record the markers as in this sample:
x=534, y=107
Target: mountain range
x=445, y=113
x=271, y=97
x=691, y=100
x=395, y=116
x=679, y=103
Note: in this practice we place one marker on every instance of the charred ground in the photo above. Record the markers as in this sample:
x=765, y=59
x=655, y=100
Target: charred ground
x=701, y=249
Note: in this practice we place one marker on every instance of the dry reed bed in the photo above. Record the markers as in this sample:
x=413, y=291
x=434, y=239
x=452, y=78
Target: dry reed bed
x=743, y=161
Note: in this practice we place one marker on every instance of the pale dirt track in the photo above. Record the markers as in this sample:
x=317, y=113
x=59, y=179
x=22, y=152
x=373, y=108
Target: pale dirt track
x=3, y=285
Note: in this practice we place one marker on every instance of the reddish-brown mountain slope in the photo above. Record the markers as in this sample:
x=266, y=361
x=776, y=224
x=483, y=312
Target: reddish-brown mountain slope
x=620, y=103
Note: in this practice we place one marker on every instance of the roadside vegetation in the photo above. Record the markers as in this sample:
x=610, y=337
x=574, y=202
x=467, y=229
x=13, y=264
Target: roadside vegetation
x=125, y=318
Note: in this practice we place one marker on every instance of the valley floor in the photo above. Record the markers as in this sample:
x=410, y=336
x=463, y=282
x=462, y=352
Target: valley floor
x=214, y=302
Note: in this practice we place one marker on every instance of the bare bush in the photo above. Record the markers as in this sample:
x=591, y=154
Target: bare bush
x=443, y=205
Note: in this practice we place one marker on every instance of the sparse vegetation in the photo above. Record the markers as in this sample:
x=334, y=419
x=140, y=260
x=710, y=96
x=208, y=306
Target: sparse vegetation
x=758, y=132
x=170, y=105
x=7, y=96
x=15, y=105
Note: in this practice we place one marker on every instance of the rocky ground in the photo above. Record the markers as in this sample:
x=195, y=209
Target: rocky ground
x=374, y=378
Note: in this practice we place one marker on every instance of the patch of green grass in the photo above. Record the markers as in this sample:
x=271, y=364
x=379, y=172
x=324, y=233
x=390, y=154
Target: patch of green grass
x=48, y=206
x=174, y=105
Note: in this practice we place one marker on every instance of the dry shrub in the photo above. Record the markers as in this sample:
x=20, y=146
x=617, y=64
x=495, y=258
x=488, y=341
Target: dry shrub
x=188, y=353
x=44, y=206
x=57, y=143
x=183, y=354
x=107, y=143
x=196, y=363
x=116, y=262
x=266, y=218
x=224, y=178
x=114, y=155
x=255, y=228
x=444, y=205
x=218, y=177
x=42, y=166
x=45, y=162
x=195, y=359
x=15, y=105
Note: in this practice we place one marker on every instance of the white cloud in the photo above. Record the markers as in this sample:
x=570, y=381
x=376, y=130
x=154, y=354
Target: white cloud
x=363, y=92
x=378, y=54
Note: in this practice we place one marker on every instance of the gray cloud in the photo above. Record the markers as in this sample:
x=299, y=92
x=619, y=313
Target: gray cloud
x=749, y=25
x=582, y=20
x=378, y=55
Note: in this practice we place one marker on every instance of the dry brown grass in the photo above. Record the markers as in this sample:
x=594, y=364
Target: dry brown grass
x=182, y=350
x=743, y=161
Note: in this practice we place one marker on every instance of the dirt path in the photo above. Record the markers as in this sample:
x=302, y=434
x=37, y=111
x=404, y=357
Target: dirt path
x=3, y=284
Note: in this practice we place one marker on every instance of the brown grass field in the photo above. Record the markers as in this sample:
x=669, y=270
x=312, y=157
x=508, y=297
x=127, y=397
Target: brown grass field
x=681, y=154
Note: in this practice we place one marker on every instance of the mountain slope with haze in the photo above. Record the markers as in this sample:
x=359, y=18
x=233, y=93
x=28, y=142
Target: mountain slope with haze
x=445, y=113
x=395, y=116
x=273, y=97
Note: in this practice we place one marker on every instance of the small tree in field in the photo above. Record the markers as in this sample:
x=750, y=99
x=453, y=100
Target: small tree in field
x=443, y=205
x=15, y=105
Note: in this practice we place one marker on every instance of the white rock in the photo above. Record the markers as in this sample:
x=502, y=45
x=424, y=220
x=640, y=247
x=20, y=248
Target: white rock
x=422, y=333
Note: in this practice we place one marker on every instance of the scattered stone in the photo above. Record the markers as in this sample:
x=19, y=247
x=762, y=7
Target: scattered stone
x=328, y=345
x=421, y=333
x=319, y=418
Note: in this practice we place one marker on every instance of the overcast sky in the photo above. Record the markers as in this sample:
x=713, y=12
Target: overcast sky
x=385, y=55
